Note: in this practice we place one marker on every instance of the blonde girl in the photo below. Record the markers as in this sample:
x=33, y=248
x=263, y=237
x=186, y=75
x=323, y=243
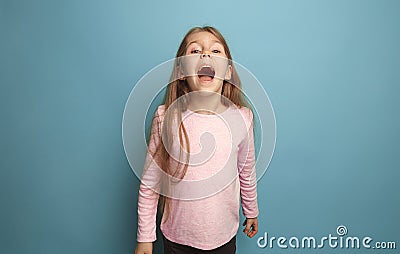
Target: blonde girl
x=200, y=157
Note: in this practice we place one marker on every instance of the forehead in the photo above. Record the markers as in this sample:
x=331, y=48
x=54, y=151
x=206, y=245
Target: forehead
x=202, y=37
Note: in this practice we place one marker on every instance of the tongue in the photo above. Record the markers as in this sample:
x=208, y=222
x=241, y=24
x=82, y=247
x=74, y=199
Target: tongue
x=205, y=78
x=206, y=73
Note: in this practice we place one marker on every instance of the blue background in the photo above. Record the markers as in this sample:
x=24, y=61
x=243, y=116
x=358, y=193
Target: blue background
x=331, y=69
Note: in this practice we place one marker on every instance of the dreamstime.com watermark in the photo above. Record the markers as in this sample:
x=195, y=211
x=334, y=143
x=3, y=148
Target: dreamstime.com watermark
x=338, y=240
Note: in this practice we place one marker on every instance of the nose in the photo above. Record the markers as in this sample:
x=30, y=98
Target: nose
x=205, y=54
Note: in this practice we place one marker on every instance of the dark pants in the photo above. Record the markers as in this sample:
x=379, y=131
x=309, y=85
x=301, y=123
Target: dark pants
x=176, y=248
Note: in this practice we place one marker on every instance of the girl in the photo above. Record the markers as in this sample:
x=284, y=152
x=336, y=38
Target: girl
x=200, y=155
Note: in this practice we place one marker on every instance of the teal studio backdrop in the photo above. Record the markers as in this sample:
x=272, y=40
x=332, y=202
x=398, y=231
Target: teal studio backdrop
x=331, y=70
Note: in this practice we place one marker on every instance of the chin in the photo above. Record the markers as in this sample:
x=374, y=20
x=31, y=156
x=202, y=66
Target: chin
x=214, y=85
x=207, y=89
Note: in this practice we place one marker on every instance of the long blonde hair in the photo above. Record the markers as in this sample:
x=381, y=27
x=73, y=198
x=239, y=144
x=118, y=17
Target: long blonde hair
x=231, y=93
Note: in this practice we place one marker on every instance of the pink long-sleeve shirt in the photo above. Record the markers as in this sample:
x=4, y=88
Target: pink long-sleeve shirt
x=204, y=205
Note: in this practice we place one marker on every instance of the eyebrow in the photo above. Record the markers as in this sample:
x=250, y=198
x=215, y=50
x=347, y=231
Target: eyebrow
x=215, y=41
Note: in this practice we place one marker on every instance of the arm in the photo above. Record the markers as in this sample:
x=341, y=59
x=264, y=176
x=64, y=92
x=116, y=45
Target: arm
x=148, y=193
x=247, y=178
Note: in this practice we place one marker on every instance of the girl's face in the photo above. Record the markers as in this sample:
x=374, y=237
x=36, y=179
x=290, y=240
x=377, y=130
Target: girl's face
x=205, y=64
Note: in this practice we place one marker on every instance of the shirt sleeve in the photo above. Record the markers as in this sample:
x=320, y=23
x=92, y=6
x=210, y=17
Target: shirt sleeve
x=247, y=172
x=149, y=186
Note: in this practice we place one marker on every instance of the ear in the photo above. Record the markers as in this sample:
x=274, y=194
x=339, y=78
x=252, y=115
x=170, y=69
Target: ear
x=228, y=73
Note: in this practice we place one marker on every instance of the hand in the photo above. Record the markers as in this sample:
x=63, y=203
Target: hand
x=251, y=228
x=144, y=248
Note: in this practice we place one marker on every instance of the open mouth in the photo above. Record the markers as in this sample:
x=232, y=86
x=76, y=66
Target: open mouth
x=206, y=73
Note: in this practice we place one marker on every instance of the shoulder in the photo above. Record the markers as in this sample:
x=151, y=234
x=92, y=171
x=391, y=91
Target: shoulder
x=247, y=114
x=159, y=113
x=160, y=110
x=243, y=115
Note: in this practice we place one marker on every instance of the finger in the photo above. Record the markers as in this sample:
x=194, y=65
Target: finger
x=254, y=230
x=246, y=230
x=252, y=233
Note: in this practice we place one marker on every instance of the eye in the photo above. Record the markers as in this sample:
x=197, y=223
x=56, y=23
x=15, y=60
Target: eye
x=195, y=51
x=216, y=51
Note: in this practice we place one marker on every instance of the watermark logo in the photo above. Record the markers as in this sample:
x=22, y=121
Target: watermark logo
x=218, y=133
x=341, y=230
x=339, y=240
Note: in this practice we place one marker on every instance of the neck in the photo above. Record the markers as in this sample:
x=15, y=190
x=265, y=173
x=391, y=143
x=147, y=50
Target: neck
x=206, y=103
